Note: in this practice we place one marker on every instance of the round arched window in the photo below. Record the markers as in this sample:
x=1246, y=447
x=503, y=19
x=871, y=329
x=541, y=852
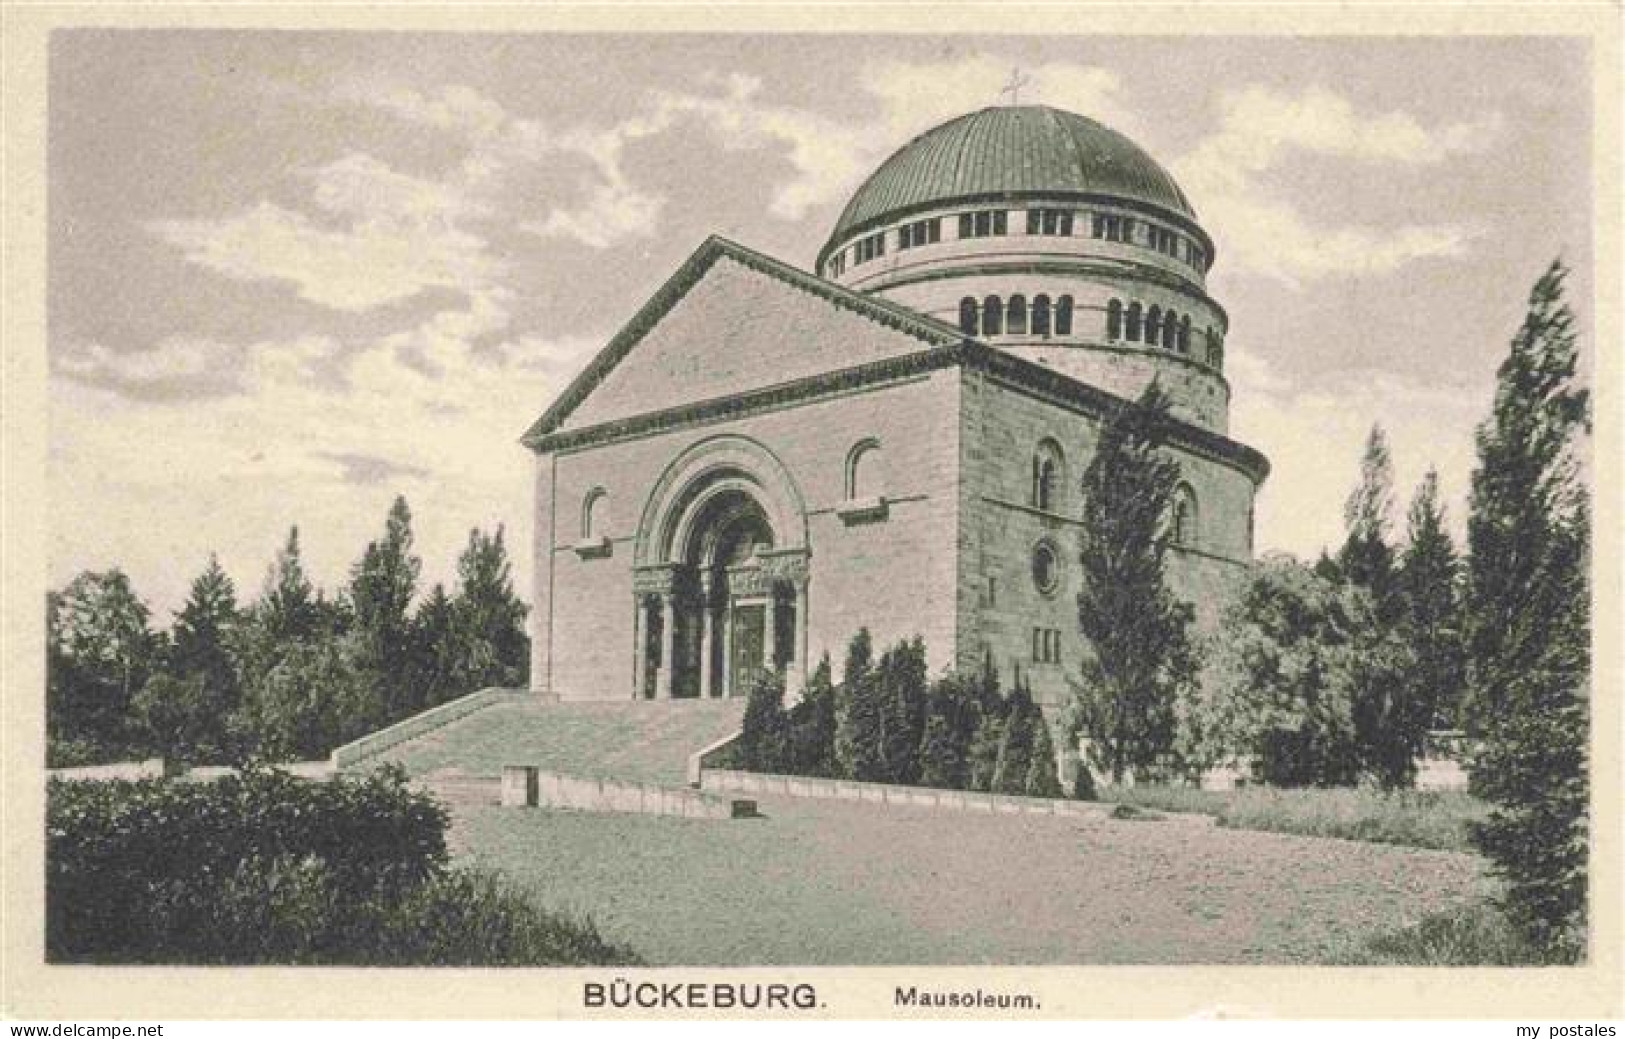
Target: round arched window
x=1046, y=568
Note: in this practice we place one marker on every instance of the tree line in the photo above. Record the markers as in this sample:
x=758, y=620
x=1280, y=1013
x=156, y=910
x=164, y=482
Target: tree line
x=886, y=722
x=1332, y=674
x=287, y=676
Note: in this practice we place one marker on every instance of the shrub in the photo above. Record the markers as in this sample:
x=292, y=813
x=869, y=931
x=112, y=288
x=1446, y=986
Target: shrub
x=467, y=918
x=1083, y=782
x=156, y=865
x=1476, y=934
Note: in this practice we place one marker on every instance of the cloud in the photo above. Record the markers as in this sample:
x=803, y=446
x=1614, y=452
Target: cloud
x=370, y=469
x=599, y=208
x=397, y=236
x=175, y=369
x=1260, y=128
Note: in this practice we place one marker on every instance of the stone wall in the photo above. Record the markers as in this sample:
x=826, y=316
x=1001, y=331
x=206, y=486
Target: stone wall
x=417, y=725
x=526, y=786
x=1000, y=604
x=731, y=781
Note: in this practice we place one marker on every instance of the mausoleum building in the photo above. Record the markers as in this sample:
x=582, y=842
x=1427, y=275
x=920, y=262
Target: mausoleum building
x=766, y=459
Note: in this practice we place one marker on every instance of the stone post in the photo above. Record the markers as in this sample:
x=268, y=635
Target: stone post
x=640, y=640
x=707, y=624
x=770, y=637
x=668, y=645
x=727, y=649
x=803, y=669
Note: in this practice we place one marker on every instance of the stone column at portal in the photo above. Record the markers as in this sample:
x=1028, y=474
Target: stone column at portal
x=801, y=636
x=727, y=648
x=640, y=643
x=707, y=626
x=770, y=636
x=668, y=645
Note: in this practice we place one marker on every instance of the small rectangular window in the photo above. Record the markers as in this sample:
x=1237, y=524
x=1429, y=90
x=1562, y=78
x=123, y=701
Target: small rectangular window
x=1033, y=218
x=984, y=224
x=1066, y=225
x=999, y=218
x=965, y=225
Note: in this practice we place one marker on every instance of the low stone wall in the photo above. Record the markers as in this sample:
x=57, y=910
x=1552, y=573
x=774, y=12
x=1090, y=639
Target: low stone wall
x=152, y=768
x=528, y=786
x=420, y=723
x=696, y=760
x=730, y=781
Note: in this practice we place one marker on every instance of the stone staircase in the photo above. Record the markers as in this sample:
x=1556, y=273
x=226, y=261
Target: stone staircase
x=643, y=741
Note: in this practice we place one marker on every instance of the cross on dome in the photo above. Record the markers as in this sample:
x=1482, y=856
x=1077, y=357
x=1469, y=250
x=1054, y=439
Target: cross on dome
x=1013, y=88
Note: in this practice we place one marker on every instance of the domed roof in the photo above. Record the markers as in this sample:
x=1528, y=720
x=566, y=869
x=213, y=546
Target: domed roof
x=1025, y=149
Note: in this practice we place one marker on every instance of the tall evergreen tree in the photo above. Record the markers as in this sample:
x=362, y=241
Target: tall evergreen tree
x=856, y=726
x=1528, y=626
x=382, y=585
x=1015, y=753
x=288, y=609
x=1367, y=555
x=763, y=730
x=1139, y=632
x=903, y=688
x=203, y=628
x=812, y=725
x=185, y=711
x=1429, y=587
x=1042, y=779
x=490, y=619
x=433, y=677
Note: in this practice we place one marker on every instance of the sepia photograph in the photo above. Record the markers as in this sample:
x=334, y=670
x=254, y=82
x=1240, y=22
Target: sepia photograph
x=743, y=500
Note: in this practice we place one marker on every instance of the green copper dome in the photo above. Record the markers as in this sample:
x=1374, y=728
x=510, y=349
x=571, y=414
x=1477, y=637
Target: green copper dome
x=1011, y=151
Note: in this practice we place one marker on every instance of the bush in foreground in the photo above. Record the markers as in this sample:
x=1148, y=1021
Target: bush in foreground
x=1476, y=934
x=1419, y=819
x=264, y=868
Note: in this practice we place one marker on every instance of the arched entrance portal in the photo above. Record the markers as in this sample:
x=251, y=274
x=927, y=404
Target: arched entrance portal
x=720, y=586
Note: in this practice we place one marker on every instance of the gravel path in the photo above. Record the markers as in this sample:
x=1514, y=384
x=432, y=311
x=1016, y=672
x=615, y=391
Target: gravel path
x=828, y=882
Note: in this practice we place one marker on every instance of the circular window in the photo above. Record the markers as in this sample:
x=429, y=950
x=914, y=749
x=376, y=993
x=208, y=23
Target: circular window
x=1046, y=568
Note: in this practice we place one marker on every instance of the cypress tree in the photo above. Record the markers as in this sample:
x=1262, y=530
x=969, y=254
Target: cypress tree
x=902, y=696
x=1367, y=557
x=382, y=585
x=1139, y=632
x=1528, y=627
x=856, y=721
x=492, y=647
x=1042, y=779
x=762, y=736
x=812, y=725
x=1429, y=588
x=1015, y=744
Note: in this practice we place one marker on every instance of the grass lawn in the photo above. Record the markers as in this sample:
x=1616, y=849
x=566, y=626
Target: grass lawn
x=827, y=882
x=1418, y=819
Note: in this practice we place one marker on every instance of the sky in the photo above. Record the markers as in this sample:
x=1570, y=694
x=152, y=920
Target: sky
x=292, y=275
